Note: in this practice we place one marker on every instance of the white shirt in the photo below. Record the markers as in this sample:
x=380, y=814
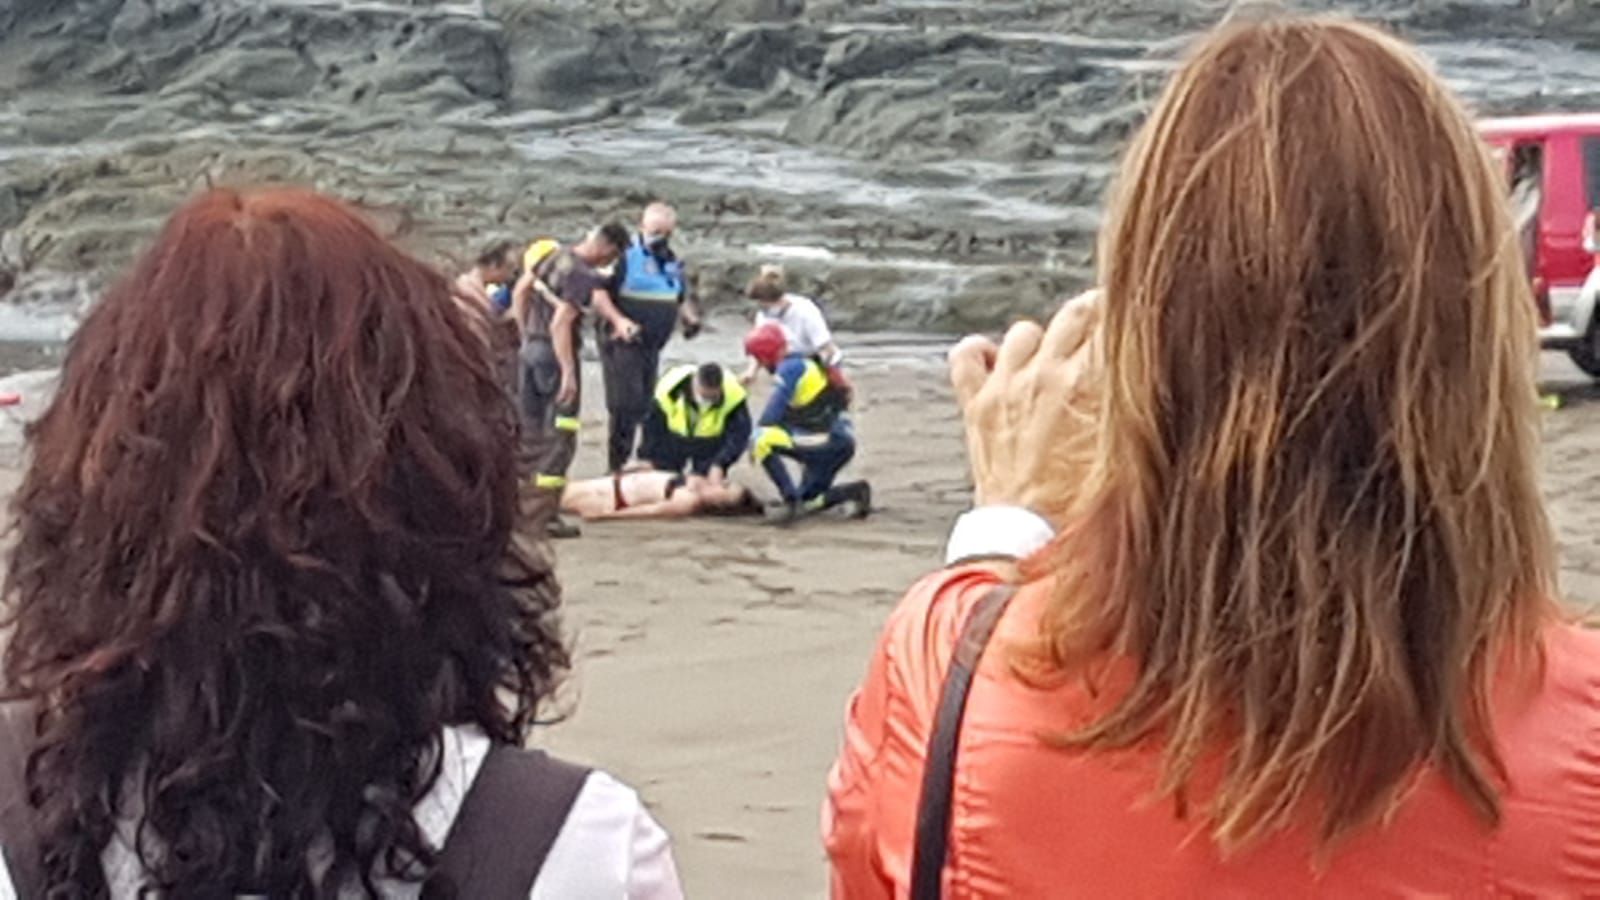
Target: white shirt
x=802, y=321
x=609, y=848
x=989, y=532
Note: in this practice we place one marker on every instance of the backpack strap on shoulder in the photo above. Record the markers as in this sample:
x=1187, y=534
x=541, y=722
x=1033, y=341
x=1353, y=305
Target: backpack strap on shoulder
x=18, y=837
x=508, y=823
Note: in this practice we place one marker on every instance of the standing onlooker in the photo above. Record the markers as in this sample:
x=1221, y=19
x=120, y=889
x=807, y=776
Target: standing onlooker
x=267, y=625
x=653, y=292
x=1268, y=586
x=802, y=320
x=549, y=303
x=485, y=290
x=488, y=281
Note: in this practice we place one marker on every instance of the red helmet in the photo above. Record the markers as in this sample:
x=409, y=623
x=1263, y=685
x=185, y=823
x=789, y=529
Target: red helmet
x=767, y=344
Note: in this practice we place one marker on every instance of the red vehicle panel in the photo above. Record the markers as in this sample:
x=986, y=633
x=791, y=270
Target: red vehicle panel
x=1569, y=149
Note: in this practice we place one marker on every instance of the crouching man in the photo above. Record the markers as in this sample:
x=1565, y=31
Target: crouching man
x=698, y=420
x=804, y=420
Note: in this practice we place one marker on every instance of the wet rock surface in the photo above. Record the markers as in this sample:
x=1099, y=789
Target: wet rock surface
x=917, y=163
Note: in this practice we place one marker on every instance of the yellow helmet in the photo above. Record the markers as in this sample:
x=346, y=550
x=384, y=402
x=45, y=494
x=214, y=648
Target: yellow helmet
x=539, y=251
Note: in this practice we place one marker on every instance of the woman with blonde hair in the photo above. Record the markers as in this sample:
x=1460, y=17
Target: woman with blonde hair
x=1286, y=615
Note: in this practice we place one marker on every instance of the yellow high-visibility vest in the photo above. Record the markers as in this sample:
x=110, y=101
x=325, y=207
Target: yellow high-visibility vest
x=685, y=418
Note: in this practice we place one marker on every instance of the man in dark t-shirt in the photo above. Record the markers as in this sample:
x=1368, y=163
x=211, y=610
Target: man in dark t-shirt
x=549, y=304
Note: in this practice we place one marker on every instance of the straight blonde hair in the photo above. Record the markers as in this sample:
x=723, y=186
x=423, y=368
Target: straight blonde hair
x=1313, y=516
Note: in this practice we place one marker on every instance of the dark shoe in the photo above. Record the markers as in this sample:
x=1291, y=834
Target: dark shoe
x=859, y=495
x=560, y=529
x=783, y=512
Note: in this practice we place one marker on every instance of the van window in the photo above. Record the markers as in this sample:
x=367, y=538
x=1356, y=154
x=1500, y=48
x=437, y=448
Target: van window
x=1591, y=171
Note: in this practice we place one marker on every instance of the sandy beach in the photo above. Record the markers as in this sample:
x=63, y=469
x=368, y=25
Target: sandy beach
x=715, y=658
x=916, y=164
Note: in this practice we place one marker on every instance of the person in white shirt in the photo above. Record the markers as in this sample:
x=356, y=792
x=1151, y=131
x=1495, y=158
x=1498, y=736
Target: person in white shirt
x=801, y=318
x=273, y=629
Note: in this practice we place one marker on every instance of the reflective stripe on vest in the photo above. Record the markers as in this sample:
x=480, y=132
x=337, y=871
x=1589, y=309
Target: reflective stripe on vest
x=685, y=418
x=815, y=403
x=768, y=440
x=812, y=383
x=647, y=280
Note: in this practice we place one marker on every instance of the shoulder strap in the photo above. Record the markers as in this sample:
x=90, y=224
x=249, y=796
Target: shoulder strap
x=939, y=772
x=508, y=823
x=18, y=838
x=548, y=275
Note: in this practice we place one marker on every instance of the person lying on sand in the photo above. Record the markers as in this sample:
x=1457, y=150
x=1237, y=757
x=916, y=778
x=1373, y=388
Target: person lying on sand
x=647, y=494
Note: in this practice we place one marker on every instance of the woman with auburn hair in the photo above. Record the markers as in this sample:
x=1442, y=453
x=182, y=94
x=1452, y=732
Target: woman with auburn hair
x=264, y=611
x=1286, y=618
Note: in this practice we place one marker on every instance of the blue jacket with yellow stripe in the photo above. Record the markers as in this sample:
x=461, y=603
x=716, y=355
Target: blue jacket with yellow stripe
x=803, y=397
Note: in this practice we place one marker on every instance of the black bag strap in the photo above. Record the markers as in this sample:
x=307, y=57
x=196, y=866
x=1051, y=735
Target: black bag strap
x=939, y=773
x=18, y=838
x=508, y=823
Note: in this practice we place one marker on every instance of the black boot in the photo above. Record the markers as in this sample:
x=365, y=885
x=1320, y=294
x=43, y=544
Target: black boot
x=561, y=529
x=858, y=494
x=783, y=512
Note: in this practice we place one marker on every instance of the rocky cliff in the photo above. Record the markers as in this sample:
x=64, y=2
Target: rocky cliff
x=921, y=163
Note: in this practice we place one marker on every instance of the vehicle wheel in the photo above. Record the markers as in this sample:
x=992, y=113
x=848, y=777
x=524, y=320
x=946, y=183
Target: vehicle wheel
x=1586, y=355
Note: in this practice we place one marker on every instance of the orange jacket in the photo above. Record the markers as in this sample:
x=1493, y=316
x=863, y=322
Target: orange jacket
x=1030, y=821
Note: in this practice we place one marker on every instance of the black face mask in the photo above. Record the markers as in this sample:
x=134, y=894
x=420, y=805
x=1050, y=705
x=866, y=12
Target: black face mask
x=657, y=244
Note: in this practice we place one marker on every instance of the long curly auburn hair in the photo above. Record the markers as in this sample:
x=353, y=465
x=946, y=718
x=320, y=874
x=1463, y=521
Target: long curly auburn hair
x=263, y=557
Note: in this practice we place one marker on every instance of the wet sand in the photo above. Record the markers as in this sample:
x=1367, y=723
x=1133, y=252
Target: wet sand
x=714, y=658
